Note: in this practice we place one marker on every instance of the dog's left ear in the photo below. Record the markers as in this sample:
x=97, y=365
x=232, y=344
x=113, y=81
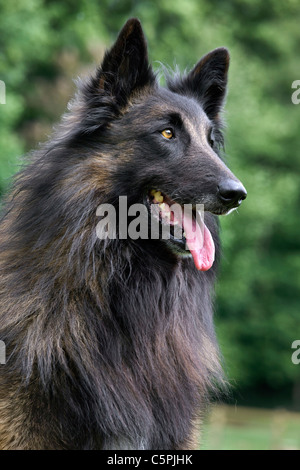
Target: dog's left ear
x=207, y=81
x=125, y=67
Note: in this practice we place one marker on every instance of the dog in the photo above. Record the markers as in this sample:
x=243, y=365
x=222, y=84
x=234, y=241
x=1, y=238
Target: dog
x=110, y=342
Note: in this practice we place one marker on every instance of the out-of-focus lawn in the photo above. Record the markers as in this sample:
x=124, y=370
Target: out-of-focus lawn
x=240, y=428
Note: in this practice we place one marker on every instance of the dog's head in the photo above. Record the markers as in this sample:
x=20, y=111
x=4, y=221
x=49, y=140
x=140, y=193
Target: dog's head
x=165, y=141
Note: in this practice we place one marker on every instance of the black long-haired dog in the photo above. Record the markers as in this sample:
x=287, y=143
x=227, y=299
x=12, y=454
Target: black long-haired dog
x=110, y=341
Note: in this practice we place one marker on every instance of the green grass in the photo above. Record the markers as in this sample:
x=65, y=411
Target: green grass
x=240, y=428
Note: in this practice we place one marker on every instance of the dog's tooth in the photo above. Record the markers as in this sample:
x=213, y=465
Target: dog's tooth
x=184, y=234
x=158, y=196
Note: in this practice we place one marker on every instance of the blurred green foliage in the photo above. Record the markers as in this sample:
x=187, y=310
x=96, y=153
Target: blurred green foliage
x=45, y=44
x=245, y=428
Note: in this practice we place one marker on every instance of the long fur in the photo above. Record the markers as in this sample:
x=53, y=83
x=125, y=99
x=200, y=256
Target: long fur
x=109, y=344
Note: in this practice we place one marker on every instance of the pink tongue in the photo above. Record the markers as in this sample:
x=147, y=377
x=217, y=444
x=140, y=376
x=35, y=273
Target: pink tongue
x=199, y=242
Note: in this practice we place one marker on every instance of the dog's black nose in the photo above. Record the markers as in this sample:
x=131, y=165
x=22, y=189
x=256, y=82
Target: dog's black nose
x=232, y=192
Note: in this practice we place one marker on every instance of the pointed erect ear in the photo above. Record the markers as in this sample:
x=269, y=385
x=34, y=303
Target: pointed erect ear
x=207, y=81
x=125, y=67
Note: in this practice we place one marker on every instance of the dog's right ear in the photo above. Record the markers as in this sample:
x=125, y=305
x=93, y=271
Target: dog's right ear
x=125, y=67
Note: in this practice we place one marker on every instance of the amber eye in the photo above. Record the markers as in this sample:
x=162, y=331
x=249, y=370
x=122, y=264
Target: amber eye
x=167, y=133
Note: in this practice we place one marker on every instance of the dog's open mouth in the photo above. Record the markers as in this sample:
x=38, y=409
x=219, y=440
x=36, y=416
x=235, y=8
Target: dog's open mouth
x=185, y=228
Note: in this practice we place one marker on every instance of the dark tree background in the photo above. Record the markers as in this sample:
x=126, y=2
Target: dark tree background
x=45, y=44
